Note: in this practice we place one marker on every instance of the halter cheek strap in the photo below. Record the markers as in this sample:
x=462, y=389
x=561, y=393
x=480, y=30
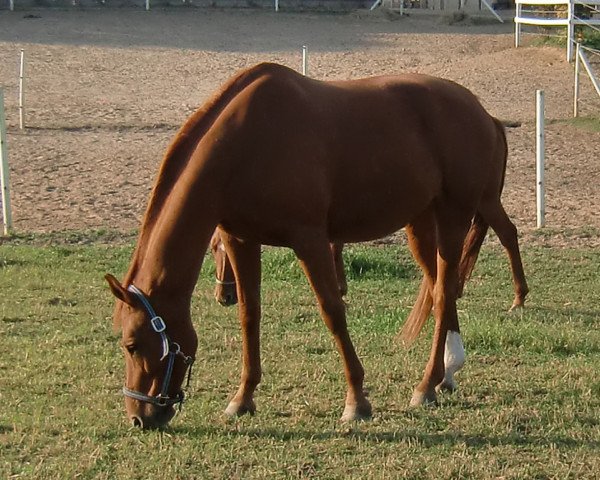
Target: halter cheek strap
x=170, y=350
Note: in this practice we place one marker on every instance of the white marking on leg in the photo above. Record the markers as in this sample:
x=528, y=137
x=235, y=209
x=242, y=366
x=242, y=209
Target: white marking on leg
x=454, y=358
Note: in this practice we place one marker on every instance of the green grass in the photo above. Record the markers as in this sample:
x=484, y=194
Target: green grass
x=557, y=37
x=591, y=124
x=527, y=406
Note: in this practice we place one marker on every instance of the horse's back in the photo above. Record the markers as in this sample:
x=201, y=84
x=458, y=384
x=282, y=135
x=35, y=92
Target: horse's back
x=360, y=155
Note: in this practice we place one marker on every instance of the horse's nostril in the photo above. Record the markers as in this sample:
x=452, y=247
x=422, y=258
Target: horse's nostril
x=137, y=422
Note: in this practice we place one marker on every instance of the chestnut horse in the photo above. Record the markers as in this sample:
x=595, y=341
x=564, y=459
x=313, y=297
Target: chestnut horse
x=225, y=289
x=277, y=158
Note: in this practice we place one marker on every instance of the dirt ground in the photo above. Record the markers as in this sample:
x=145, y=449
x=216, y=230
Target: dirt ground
x=107, y=89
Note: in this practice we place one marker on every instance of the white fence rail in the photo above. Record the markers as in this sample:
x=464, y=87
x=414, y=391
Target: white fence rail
x=582, y=59
x=568, y=19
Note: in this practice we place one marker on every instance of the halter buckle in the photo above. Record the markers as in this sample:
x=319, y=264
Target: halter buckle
x=158, y=324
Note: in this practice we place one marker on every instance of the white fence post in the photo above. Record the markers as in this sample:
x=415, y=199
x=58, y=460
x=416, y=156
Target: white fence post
x=22, y=92
x=11, y=5
x=4, y=183
x=539, y=160
x=576, y=92
x=304, y=60
x=276, y=5
x=518, y=13
x=570, y=30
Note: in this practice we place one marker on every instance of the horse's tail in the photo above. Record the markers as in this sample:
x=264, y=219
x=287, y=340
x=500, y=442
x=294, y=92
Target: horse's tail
x=479, y=226
x=418, y=315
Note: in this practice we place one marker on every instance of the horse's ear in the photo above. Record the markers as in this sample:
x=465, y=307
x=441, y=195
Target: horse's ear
x=118, y=290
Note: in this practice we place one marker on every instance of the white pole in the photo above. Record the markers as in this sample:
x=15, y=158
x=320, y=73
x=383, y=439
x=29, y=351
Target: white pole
x=276, y=5
x=539, y=160
x=518, y=25
x=12, y=5
x=576, y=93
x=147, y=5
x=22, y=92
x=304, y=60
x=570, y=30
x=6, y=211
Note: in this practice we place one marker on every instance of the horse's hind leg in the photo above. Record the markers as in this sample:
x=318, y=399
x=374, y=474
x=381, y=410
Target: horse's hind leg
x=452, y=225
x=422, y=241
x=336, y=251
x=317, y=262
x=493, y=212
x=245, y=260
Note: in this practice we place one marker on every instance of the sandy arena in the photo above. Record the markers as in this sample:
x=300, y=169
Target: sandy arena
x=107, y=89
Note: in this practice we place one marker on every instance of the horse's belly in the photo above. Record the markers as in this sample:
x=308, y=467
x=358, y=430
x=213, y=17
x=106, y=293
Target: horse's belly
x=371, y=213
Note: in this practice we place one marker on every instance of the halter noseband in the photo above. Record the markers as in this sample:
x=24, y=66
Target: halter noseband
x=170, y=349
x=217, y=279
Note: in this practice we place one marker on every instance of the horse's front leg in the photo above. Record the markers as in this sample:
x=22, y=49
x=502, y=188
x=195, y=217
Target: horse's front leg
x=318, y=264
x=245, y=260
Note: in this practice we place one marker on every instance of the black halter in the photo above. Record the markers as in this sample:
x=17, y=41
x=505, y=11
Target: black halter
x=170, y=349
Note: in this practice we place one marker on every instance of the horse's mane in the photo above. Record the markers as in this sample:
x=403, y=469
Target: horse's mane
x=179, y=152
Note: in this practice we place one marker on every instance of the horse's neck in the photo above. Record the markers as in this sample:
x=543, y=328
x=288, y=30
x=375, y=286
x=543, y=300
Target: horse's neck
x=171, y=258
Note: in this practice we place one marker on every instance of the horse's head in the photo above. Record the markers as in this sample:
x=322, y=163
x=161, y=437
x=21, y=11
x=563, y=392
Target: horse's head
x=157, y=354
x=225, y=292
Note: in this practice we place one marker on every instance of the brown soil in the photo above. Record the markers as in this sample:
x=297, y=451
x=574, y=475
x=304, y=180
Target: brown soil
x=106, y=90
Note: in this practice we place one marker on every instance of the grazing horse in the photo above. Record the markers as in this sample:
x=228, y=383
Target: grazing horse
x=225, y=289
x=277, y=158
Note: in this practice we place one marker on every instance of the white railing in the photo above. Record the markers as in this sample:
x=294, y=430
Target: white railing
x=533, y=17
x=581, y=59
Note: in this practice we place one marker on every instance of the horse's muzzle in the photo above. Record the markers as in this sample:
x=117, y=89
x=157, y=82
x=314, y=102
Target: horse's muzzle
x=227, y=300
x=159, y=419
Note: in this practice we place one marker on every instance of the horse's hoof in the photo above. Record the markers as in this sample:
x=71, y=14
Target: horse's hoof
x=448, y=386
x=355, y=412
x=516, y=307
x=237, y=409
x=423, y=399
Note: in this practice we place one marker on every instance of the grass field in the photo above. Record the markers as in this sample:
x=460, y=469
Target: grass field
x=528, y=404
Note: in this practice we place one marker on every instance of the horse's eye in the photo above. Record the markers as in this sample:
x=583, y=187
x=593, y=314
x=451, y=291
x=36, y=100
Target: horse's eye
x=130, y=347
